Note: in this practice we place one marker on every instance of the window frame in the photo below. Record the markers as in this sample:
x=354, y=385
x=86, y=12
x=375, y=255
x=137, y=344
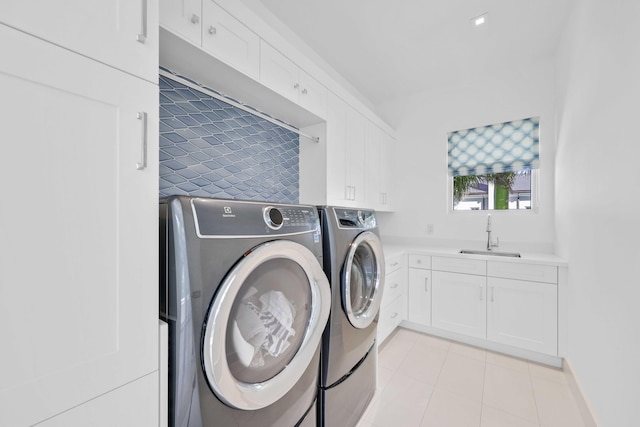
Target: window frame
x=535, y=199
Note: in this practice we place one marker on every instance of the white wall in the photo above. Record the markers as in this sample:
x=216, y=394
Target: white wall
x=597, y=220
x=420, y=188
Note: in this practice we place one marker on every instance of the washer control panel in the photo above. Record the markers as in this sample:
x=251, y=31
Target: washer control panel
x=234, y=218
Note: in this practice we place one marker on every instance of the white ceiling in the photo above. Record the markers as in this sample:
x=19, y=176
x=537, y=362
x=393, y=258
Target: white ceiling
x=391, y=48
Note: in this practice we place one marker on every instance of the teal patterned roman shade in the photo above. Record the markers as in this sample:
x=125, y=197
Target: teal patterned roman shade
x=503, y=147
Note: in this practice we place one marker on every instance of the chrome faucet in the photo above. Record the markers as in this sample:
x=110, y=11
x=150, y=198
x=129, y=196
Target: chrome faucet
x=490, y=243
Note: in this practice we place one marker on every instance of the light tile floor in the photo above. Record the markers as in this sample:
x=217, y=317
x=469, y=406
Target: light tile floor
x=424, y=381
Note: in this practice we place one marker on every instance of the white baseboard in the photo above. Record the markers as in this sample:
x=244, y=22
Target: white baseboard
x=588, y=417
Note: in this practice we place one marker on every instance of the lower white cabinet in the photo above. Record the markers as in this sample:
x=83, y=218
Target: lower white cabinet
x=523, y=314
x=79, y=276
x=393, y=308
x=458, y=303
x=419, y=310
x=419, y=289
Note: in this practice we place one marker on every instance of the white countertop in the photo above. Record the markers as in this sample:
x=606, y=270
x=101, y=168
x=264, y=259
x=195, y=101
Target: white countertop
x=396, y=249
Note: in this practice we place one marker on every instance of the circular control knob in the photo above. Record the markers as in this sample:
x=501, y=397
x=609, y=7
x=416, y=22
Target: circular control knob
x=362, y=217
x=273, y=217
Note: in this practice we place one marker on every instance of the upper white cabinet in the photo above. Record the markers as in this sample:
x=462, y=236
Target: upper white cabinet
x=345, y=154
x=229, y=40
x=285, y=77
x=123, y=34
x=378, y=161
x=385, y=181
x=355, y=158
x=79, y=276
x=183, y=17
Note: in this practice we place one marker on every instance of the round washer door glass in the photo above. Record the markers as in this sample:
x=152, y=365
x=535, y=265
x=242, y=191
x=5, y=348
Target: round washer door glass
x=268, y=315
x=361, y=278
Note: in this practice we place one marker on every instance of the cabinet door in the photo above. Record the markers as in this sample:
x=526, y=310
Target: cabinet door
x=458, y=303
x=278, y=72
x=336, y=150
x=523, y=314
x=313, y=95
x=123, y=34
x=372, y=166
x=229, y=40
x=355, y=139
x=419, y=296
x=78, y=278
x=183, y=17
x=132, y=405
x=385, y=179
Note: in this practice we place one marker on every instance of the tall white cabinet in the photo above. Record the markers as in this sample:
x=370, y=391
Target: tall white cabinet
x=78, y=272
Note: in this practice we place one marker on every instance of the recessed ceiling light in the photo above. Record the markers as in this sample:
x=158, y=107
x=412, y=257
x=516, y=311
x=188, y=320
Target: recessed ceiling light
x=480, y=20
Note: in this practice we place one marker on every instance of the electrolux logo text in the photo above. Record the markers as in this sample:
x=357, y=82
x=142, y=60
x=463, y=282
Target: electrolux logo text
x=228, y=213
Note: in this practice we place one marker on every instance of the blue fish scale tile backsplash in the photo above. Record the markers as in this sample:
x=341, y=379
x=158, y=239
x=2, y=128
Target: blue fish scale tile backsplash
x=209, y=148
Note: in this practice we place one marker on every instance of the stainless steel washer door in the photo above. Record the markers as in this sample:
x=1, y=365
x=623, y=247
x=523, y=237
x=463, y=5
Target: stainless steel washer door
x=264, y=325
x=361, y=280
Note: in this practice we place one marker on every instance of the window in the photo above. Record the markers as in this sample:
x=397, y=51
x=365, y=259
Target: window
x=494, y=167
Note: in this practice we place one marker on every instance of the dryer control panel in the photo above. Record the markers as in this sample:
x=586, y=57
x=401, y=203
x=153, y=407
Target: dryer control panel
x=227, y=218
x=355, y=218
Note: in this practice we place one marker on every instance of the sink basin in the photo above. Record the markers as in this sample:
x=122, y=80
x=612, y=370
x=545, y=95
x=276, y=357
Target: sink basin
x=492, y=253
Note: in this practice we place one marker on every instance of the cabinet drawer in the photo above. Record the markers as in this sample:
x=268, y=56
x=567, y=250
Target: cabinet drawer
x=530, y=272
x=394, y=286
x=459, y=265
x=390, y=318
x=420, y=261
x=392, y=263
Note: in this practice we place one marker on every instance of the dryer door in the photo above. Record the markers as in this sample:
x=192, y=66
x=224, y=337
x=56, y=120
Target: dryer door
x=361, y=280
x=264, y=324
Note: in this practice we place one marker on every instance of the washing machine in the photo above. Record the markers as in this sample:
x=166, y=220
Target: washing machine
x=246, y=299
x=354, y=264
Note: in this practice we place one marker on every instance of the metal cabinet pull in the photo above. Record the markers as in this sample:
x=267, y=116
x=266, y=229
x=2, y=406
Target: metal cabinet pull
x=393, y=264
x=304, y=91
x=394, y=315
x=296, y=85
x=481, y=293
x=143, y=161
x=493, y=288
x=395, y=285
x=142, y=37
x=195, y=19
x=426, y=284
x=212, y=30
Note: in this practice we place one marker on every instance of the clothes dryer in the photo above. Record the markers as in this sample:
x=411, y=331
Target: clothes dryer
x=246, y=300
x=354, y=264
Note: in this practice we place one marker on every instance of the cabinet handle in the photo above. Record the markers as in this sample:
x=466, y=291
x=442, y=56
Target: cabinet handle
x=426, y=284
x=395, y=285
x=354, y=193
x=212, y=30
x=493, y=288
x=393, y=264
x=394, y=315
x=142, y=37
x=481, y=293
x=296, y=85
x=304, y=91
x=143, y=161
x=195, y=19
